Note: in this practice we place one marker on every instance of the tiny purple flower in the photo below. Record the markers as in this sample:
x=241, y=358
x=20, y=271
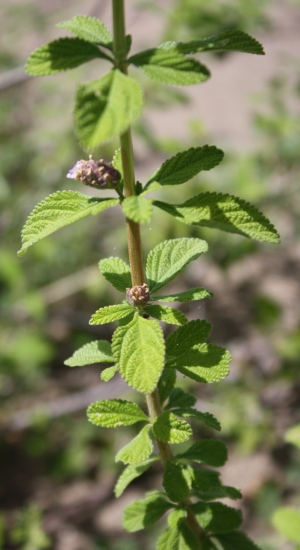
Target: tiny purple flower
x=138, y=295
x=95, y=173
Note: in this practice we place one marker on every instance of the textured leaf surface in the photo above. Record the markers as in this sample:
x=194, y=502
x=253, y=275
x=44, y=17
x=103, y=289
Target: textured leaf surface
x=143, y=513
x=109, y=373
x=166, y=383
x=106, y=107
x=286, y=521
x=234, y=541
x=204, y=480
x=207, y=451
x=170, y=429
x=222, y=491
x=58, y=210
x=232, y=40
x=166, y=314
x=179, y=398
x=130, y=473
x=216, y=517
x=187, y=164
x=108, y=314
x=205, y=363
x=139, y=349
x=116, y=272
x=181, y=538
x=196, y=293
x=61, y=55
x=169, y=258
x=117, y=161
x=206, y=418
x=138, y=209
x=98, y=351
x=90, y=29
x=184, y=339
x=180, y=490
x=115, y=412
x=138, y=450
x=169, y=66
x=224, y=212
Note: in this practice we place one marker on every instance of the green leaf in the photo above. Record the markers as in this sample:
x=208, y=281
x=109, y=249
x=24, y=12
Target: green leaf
x=130, y=473
x=98, y=351
x=154, y=186
x=166, y=314
x=180, y=538
x=61, y=55
x=187, y=164
x=234, y=540
x=179, y=398
x=58, y=210
x=292, y=435
x=286, y=521
x=196, y=293
x=231, y=40
x=169, y=258
x=90, y=29
x=169, y=66
x=169, y=429
x=166, y=383
x=206, y=418
x=138, y=209
x=216, y=517
x=222, y=491
x=117, y=161
x=180, y=490
x=144, y=512
x=204, y=480
x=108, y=314
x=106, y=107
x=109, y=373
x=116, y=272
x=138, y=450
x=224, y=212
x=207, y=451
x=200, y=361
x=115, y=412
x=139, y=350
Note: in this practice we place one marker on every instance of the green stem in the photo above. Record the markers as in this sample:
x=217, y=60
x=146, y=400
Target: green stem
x=133, y=229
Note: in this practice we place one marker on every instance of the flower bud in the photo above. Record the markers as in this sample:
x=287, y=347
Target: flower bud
x=138, y=295
x=95, y=173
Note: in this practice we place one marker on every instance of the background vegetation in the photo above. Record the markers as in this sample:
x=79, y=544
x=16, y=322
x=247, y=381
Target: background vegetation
x=57, y=471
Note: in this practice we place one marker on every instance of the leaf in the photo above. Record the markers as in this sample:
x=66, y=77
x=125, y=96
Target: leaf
x=138, y=209
x=112, y=413
x=206, y=418
x=196, y=293
x=176, y=517
x=187, y=164
x=109, y=373
x=130, y=473
x=292, y=435
x=116, y=272
x=181, y=538
x=166, y=384
x=106, y=107
x=61, y=55
x=117, y=161
x=205, y=363
x=184, y=339
x=224, y=212
x=207, y=451
x=138, y=450
x=222, y=491
x=145, y=512
x=98, y=351
x=180, y=490
x=204, y=480
x=166, y=314
x=231, y=40
x=216, y=517
x=234, y=540
x=58, y=210
x=169, y=429
x=139, y=349
x=169, y=66
x=169, y=258
x=108, y=314
x=286, y=521
x=90, y=29
x=179, y=398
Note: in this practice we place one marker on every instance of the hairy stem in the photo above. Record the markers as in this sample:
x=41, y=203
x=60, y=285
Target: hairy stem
x=133, y=229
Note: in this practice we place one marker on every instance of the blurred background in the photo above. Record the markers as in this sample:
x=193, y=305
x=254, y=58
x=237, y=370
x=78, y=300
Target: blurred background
x=57, y=471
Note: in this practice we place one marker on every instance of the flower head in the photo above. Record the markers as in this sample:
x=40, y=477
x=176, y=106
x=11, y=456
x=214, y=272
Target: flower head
x=138, y=295
x=95, y=173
